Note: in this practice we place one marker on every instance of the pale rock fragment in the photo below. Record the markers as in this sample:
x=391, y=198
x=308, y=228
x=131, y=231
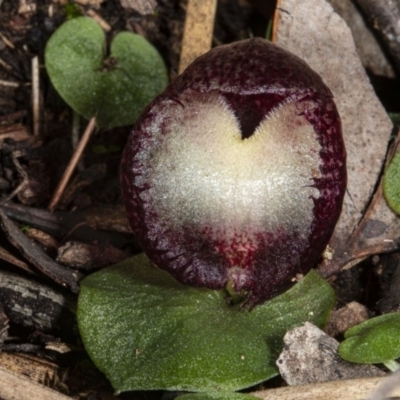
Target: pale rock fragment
x=311, y=356
x=312, y=30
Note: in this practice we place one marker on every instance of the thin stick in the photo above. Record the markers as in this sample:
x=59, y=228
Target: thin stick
x=387, y=387
x=275, y=22
x=5, y=65
x=72, y=164
x=7, y=42
x=17, y=132
x=9, y=83
x=198, y=32
x=35, y=95
x=336, y=390
x=104, y=24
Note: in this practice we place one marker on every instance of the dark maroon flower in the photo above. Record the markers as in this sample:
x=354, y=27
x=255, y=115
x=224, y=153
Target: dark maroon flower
x=236, y=173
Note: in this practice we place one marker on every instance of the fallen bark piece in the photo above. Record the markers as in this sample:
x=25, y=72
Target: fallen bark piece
x=3, y=325
x=108, y=218
x=350, y=315
x=74, y=225
x=368, y=48
x=310, y=356
x=384, y=17
x=34, y=254
x=314, y=32
x=16, y=132
x=89, y=256
x=377, y=232
x=35, y=305
x=5, y=255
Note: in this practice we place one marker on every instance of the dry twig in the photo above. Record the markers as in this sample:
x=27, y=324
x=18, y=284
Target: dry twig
x=106, y=27
x=198, y=32
x=72, y=164
x=9, y=83
x=7, y=42
x=335, y=390
x=35, y=95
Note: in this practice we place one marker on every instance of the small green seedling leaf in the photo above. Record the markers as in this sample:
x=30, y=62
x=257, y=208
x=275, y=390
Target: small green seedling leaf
x=114, y=88
x=216, y=396
x=374, y=341
x=72, y=10
x=147, y=331
x=391, y=183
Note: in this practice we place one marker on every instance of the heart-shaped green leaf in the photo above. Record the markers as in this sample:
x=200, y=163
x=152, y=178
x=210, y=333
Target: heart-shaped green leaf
x=374, y=341
x=146, y=331
x=114, y=88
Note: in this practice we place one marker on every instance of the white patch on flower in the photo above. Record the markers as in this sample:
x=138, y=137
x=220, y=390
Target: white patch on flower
x=201, y=172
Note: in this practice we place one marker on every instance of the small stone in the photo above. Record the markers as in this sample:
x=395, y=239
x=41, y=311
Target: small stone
x=141, y=6
x=311, y=356
x=346, y=317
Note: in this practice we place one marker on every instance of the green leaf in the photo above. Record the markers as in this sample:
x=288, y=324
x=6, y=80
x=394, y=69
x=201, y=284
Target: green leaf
x=374, y=341
x=72, y=10
x=216, y=396
x=391, y=183
x=116, y=94
x=146, y=331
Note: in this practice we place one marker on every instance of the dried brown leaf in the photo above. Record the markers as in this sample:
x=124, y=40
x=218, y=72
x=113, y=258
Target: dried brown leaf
x=312, y=30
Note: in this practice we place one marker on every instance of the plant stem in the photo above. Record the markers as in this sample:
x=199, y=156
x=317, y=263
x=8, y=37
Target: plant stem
x=392, y=365
x=234, y=296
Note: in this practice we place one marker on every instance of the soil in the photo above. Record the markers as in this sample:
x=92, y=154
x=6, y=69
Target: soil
x=90, y=211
